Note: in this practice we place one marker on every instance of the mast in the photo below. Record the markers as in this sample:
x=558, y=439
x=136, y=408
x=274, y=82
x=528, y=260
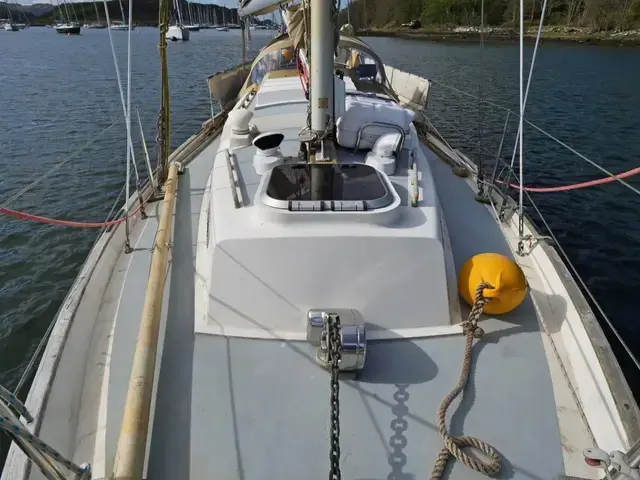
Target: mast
x=122, y=12
x=75, y=17
x=320, y=142
x=176, y=5
x=67, y=18
x=95, y=5
x=84, y=16
x=164, y=137
x=322, y=46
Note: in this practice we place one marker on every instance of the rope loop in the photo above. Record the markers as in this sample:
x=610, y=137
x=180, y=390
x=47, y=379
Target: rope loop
x=453, y=445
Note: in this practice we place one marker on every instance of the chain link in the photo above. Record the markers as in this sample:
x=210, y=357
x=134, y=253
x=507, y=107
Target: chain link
x=334, y=354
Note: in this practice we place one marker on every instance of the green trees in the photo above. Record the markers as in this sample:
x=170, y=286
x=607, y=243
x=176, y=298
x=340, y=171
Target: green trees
x=595, y=14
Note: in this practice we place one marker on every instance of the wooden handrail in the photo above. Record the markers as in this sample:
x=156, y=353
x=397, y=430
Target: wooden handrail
x=132, y=442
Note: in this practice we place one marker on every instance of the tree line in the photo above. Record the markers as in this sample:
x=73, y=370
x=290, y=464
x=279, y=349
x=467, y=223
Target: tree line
x=595, y=14
x=145, y=12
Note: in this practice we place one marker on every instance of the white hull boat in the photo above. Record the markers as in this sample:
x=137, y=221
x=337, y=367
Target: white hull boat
x=11, y=27
x=121, y=27
x=68, y=28
x=222, y=29
x=176, y=33
x=330, y=268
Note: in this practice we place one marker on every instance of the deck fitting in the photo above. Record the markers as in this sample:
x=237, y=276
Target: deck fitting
x=460, y=171
x=482, y=197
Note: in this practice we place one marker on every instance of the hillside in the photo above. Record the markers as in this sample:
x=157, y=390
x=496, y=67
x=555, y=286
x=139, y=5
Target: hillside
x=597, y=15
x=30, y=11
x=145, y=12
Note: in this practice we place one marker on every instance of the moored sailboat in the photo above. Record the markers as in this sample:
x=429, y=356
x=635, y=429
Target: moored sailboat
x=68, y=23
x=122, y=26
x=333, y=261
x=98, y=23
x=10, y=25
x=177, y=31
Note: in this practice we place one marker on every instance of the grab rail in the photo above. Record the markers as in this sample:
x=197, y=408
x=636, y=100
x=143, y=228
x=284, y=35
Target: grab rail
x=132, y=441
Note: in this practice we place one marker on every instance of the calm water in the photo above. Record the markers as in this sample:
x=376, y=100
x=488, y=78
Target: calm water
x=58, y=92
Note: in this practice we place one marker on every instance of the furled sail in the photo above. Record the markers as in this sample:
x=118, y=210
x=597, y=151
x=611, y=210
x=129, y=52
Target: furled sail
x=294, y=18
x=259, y=7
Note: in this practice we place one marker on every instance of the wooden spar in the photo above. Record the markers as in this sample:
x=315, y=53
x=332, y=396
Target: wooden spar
x=132, y=442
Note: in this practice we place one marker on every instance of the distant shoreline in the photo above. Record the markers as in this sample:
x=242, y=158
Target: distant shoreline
x=500, y=35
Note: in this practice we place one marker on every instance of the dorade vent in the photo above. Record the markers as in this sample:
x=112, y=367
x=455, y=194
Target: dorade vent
x=327, y=187
x=382, y=156
x=268, y=154
x=268, y=141
x=239, y=120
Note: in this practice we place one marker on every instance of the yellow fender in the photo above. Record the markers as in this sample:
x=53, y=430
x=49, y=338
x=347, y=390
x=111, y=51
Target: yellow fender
x=505, y=275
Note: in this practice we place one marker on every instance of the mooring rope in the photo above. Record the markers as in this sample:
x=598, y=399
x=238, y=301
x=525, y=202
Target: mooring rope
x=576, y=186
x=67, y=223
x=453, y=445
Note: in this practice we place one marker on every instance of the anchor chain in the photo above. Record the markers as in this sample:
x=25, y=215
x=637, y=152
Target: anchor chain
x=453, y=445
x=334, y=353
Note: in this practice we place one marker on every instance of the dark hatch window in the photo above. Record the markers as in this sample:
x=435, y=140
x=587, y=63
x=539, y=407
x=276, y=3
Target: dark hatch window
x=328, y=183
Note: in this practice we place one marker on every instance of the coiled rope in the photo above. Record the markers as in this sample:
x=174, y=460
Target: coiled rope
x=453, y=445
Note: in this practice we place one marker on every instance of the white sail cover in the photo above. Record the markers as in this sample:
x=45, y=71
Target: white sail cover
x=258, y=7
x=412, y=91
x=294, y=19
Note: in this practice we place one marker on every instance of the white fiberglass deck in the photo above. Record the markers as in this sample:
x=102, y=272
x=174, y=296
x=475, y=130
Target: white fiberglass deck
x=258, y=408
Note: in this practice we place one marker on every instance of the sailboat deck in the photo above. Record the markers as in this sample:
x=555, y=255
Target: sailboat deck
x=255, y=408
x=248, y=408
x=260, y=408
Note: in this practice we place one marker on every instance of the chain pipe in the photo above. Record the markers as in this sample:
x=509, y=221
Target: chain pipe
x=334, y=352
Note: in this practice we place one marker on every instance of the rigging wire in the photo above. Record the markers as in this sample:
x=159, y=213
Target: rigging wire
x=128, y=122
x=125, y=107
x=584, y=286
x=520, y=138
x=480, y=176
x=56, y=167
x=618, y=178
x=533, y=61
x=43, y=341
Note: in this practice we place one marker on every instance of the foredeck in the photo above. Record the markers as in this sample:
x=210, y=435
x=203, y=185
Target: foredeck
x=257, y=408
x=261, y=407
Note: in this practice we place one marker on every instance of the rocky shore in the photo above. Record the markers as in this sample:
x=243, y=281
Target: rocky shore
x=501, y=34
